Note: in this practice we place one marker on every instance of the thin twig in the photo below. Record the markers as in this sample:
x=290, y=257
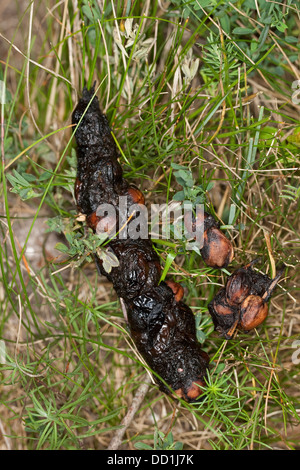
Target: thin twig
x=7, y=440
x=136, y=402
x=116, y=441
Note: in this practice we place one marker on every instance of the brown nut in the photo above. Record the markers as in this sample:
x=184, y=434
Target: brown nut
x=193, y=392
x=253, y=312
x=225, y=317
x=92, y=220
x=101, y=224
x=237, y=287
x=177, y=289
x=221, y=308
x=217, y=251
x=136, y=196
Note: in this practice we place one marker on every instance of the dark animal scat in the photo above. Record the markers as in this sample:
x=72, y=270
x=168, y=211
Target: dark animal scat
x=242, y=303
x=161, y=325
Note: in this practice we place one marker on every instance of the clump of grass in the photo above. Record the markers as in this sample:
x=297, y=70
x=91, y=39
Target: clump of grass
x=201, y=87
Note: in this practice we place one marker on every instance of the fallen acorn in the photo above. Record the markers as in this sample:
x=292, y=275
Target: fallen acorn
x=136, y=195
x=242, y=303
x=217, y=251
x=177, y=289
x=254, y=311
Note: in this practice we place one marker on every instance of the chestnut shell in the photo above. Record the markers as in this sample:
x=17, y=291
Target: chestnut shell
x=242, y=303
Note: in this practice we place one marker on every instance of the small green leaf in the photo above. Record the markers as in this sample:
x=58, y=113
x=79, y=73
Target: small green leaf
x=203, y=3
x=210, y=186
x=201, y=336
x=242, y=31
x=178, y=445
x=170, y=258
x=176, y=166
x=179, y=196
x=291, y=39
x=8, y=142
x=55, y=224
x=46, y=175
x=61, y=247
x=89, y=12
x=184, y=178
x=27, y=193
x=198, y=318
x=108, y=258
x=225, y=23
x=142, y=446
x=281, y=26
